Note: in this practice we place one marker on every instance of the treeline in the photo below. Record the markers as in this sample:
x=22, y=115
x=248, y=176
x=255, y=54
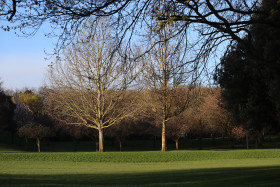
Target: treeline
x=35, y=116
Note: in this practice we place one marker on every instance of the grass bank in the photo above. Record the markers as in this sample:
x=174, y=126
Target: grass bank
x=139, y=157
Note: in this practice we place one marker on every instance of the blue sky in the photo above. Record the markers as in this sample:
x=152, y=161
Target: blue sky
x=22, y=60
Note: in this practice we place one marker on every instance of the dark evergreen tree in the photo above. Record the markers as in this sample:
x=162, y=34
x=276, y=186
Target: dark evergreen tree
x=249, y=74
x=6, y=113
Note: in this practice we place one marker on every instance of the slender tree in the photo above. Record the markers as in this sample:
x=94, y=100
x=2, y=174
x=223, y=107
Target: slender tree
x=166, y=71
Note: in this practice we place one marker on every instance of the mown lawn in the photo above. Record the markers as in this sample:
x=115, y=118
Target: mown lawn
x=147, y=168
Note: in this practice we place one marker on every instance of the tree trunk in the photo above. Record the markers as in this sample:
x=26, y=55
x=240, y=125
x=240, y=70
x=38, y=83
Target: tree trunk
x=26, y=143
x=200, y=135
x=177, y=144
x=155, y=140
x=38, y=145
x=76, y=143
x=12, y=138
x=120, y=142
x=101, y=140
x=200, y=142
x=258, y=140
x=231, y=141
x=163, y=138
x=247, y=141
x=213, y=136
x=97, y=145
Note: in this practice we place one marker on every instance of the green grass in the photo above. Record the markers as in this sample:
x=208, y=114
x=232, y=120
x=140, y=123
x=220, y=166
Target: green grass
x=144, y=156
x=59, y=165
x=204, y=173
x=148, y=168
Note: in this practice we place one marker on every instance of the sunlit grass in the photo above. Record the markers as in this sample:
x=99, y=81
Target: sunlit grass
x=144, y=156
x=150, y=168
x=59, y=166
x=246, y=172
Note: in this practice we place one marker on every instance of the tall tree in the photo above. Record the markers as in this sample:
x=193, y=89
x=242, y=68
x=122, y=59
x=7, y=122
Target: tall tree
x=166, y=72
x=266, y=42
x=89, y=87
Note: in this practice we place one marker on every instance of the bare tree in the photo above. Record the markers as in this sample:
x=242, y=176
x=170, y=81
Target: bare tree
x=90, y=86
x=166, y=71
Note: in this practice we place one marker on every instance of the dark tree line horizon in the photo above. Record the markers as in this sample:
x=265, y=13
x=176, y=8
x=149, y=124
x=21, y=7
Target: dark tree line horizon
x=33, y=116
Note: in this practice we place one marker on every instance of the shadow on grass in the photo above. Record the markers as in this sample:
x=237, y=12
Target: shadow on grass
x=247, y=176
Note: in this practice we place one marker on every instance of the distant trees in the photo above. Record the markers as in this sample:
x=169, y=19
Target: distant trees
x=31, y=118
x=177, y=128
x=35, y=131
x=202, y=117
x=121, y=130
x=89, y=88
x=38, y=116
x=216, y=118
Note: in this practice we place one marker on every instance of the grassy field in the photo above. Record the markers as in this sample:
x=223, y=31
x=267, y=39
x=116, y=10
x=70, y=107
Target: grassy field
x=145, y=168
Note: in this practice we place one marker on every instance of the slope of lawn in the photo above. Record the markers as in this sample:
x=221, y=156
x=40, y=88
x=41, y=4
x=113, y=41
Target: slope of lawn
x=139, y=157
x=147, y=168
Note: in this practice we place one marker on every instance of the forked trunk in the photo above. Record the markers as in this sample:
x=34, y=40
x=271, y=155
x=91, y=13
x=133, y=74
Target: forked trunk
x=101, y=140
x=38, y=145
